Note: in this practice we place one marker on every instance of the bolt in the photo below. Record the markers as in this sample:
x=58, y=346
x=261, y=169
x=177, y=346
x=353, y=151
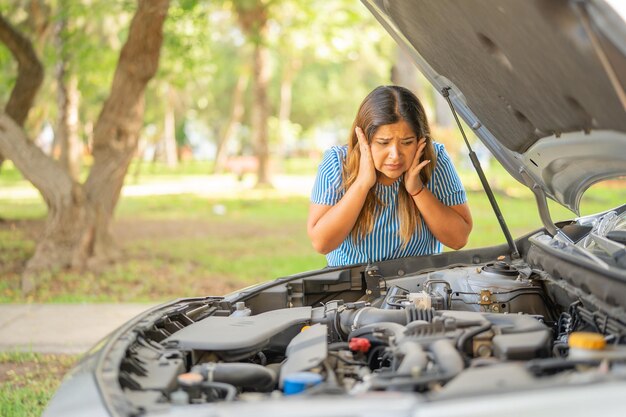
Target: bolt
x=368, y=292
x=483, y=351
x=485, y=298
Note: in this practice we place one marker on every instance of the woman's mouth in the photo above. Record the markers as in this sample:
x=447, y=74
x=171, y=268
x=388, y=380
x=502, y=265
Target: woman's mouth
x=393, y=167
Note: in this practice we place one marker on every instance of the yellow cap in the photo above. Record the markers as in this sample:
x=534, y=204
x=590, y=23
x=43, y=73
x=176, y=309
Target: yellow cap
x=305, y=328
x=586, y=340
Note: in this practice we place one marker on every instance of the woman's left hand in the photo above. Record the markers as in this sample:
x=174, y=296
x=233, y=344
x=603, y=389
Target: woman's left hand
x=412, y=181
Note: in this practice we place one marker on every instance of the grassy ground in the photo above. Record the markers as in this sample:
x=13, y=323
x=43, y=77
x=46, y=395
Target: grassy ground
x=173, y=246
x=28, y=380
x=182, y=245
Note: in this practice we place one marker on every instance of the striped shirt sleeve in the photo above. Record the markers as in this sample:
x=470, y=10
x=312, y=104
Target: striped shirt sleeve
x=445, y=183
x=327, y=188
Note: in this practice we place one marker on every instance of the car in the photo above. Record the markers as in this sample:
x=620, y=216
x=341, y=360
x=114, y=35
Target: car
x=535, y=326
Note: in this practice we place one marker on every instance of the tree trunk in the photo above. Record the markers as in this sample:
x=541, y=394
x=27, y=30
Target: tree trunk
x=253, y=18
x=77, y=226
x=66, y=132
x=169, y=130
x=230, y=131
x=116, y=132
x=63, y=197
x=284, y=110
x=260, y=112
x=29, y=77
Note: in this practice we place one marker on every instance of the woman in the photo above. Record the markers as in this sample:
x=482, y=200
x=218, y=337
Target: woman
x=391, y=192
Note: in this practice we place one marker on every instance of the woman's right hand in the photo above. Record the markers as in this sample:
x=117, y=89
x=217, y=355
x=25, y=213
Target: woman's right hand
x=367, y=171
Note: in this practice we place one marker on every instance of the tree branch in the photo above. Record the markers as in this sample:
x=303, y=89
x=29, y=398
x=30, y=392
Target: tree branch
x=29, y=76
x=117, y=129
x=38, y=168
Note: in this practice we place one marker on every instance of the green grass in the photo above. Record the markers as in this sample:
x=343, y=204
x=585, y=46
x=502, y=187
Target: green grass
x=176, y=246
x=181, y=245
x=149, y=169
x=28, y=380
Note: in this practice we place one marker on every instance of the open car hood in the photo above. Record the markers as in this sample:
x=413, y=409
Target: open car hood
x=539, y=82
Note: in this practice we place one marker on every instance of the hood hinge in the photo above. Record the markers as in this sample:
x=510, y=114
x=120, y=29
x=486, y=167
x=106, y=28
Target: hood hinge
x=542, y=205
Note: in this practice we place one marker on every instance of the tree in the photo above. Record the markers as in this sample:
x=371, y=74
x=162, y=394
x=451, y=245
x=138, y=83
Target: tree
x=230, y=130
x=76, y=232
x=66, y=132
x=30, y=70
x=253, y=18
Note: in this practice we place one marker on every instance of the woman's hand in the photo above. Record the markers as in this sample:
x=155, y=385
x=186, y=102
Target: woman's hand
x=328, y=226
x=412, y=181
x=367, y=171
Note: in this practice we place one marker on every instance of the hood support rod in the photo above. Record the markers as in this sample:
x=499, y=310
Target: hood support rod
x=481, y=174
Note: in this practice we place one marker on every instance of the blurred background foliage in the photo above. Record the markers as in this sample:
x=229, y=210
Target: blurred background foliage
x=324, y=56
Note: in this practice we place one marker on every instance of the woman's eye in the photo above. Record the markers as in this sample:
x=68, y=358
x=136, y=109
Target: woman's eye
x=382, y=142
x=408, y=142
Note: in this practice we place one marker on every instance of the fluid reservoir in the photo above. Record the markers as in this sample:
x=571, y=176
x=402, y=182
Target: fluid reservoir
x=586, y=345
x=300, y=381
x=592, y=346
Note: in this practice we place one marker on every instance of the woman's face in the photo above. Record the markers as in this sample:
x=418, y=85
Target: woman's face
x=393, y=149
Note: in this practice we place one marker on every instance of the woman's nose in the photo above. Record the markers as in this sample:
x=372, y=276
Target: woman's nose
x=393, y=151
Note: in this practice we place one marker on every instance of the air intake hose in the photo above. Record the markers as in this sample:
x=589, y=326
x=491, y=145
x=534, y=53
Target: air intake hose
x=241, y=375
x=354, y=319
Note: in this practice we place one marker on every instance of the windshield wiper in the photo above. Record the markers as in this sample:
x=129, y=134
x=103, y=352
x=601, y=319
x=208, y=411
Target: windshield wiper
x=476, y=163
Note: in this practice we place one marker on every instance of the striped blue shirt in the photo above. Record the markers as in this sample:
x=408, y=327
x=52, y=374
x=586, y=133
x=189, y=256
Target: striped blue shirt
x=384, y=241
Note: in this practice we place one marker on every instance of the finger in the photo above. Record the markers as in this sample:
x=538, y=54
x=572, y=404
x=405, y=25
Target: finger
x=419, y=152
x=422, y=165
x=360, y=135
x=365, y=148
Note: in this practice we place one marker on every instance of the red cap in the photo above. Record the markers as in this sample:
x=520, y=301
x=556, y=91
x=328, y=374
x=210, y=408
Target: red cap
x=359, y=344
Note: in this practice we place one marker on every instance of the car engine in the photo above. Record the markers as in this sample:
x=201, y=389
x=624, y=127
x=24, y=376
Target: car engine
x=439, y=332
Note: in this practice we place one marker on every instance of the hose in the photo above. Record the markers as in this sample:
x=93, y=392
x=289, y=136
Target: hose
x=423, y=314
x=447, y=357
x=471, y=333
x=389, y=329
x=231, y=391
x=338, y=346
x=414, y=358
x=241, y=375
x=354, y=319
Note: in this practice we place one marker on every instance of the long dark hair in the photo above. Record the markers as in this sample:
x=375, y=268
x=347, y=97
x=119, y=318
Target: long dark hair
x=383, y=106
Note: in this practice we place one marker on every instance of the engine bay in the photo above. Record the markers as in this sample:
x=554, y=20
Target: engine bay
x=440, y=332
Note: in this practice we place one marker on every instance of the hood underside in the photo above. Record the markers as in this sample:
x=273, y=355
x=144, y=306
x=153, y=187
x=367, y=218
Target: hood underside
x=539, y=82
